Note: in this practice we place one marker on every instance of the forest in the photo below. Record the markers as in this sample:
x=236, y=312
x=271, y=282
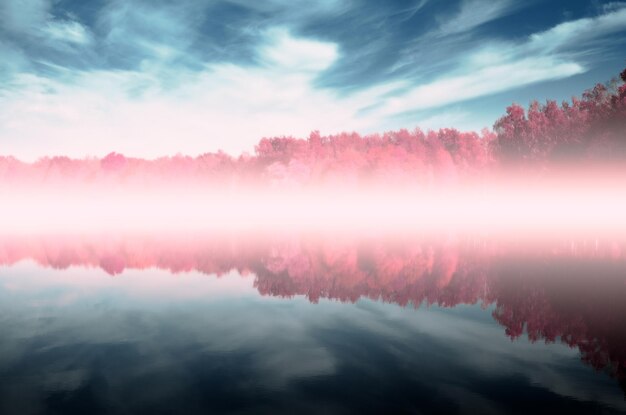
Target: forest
x=587, y=129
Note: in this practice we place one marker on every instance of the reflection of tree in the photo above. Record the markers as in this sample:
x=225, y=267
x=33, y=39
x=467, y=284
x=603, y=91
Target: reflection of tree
x=578, y=302
x=556, y=296
x=400, y=274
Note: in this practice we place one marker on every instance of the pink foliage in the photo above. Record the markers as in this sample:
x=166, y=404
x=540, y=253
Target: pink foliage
x=399, y=156
x=592, y=127
x=546, y=293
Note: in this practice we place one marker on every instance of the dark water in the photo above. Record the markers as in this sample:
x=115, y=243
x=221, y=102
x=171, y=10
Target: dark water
x=291, y=327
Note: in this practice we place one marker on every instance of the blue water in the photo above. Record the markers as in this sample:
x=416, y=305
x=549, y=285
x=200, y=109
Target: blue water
x=80, y=341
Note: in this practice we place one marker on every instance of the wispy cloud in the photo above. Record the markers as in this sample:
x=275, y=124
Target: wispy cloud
x=474, y=13
x=496, y=67
x=193, y=70
x=134, y=31
x=12, y=61
x=613, y=6
x=224, y=106
x=482, y=81
x=287, y=52
x=68, y=30
x=33, y=20
x=580, y=33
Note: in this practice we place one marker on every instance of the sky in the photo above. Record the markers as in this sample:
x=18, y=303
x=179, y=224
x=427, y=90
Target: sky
x=149, y=78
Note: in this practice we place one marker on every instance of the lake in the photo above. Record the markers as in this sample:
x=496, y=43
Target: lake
x=297, y=324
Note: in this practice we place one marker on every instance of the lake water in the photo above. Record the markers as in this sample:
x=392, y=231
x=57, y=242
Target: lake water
x=204, y=324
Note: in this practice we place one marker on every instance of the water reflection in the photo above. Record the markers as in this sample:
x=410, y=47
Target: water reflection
x=77, y=340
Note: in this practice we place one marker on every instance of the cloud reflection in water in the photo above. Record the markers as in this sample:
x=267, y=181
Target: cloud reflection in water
x=215, y=331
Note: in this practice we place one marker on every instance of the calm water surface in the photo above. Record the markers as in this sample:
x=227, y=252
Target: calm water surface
x=222, y=326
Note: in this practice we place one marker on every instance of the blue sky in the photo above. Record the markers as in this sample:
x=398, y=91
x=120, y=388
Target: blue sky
x=150, y=78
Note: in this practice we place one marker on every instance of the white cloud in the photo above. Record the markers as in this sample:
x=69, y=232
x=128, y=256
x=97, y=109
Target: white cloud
x=154, y=32
x=409, y=12
x=67, y=31
x=230, y=107
x=576, y=33
x=499, y=67
x=291, y=53
x=474, y=13
x=225, y=107
x=33, y=18
x=481, y=81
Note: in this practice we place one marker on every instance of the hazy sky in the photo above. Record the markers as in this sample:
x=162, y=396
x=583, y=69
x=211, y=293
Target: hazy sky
x=150, y=78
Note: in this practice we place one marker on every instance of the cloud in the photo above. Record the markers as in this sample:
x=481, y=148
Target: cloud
x=135, y=30
x=474, y=13
x=577, y=34
x=613, y=6
x=294, y=54
x=69, y=31
x=159, y=73
x=33, y=21
x=224, y=106
x=12, y=60
x=482, y=81
x=409, y=12
x=296, y=10
x=502, y=66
